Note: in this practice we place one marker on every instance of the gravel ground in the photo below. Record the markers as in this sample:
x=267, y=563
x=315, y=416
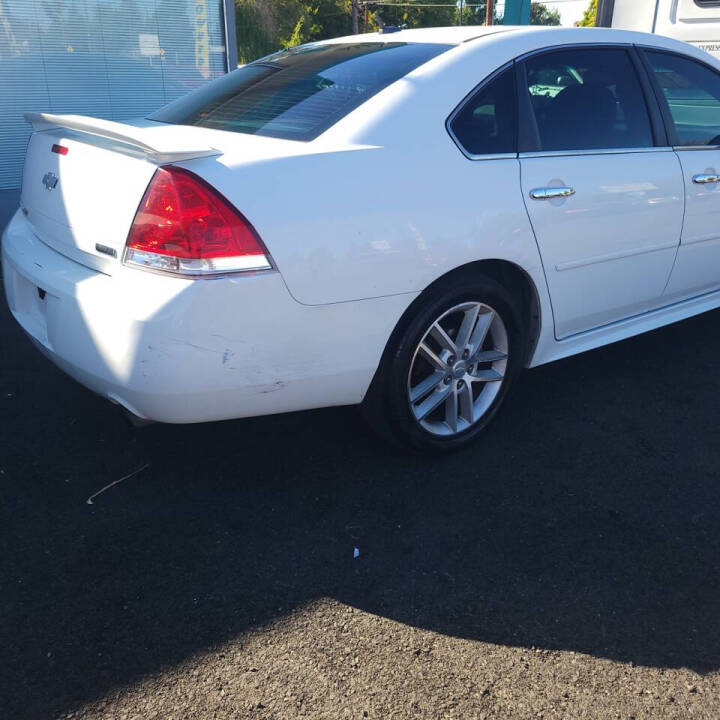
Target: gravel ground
x=566, y=566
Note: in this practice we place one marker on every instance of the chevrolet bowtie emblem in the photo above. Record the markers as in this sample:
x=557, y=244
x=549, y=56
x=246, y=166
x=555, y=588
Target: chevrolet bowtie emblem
x=50, y=181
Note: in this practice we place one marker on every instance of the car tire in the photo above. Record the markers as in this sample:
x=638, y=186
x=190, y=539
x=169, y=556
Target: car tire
x=457, y=350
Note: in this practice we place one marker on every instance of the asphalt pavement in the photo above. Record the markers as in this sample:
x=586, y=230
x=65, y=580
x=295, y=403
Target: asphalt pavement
x=567, y=565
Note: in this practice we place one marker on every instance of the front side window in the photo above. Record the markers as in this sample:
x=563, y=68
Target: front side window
x=299, y=93
x=486, y=124
x=692, y=92
x=587, y=100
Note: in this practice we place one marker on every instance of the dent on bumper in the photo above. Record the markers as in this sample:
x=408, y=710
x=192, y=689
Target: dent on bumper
x=177, y=350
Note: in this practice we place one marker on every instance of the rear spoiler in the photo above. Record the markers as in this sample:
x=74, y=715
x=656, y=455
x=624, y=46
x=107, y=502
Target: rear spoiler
x=151, y=141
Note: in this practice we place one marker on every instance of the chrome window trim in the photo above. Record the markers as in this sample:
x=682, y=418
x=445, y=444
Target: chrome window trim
x=695, y=148
x=599, y=151
x=497, y=156
x=448, y=123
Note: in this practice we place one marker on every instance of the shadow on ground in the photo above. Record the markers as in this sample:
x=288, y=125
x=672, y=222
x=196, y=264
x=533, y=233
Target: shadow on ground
x=587, y=519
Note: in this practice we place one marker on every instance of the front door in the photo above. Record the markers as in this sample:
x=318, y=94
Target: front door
x=606, y=205
x=692, y=95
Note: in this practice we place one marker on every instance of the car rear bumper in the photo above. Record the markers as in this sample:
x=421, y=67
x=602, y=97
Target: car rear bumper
x=176, y=350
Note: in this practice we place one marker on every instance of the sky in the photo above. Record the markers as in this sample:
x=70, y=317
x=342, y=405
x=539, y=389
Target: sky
x=570, y=10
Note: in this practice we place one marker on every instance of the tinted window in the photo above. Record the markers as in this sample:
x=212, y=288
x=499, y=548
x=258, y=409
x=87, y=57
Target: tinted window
x=587, y=100
x=549, y=80
x=299, y=93
x=692, y=92
x=486, y=123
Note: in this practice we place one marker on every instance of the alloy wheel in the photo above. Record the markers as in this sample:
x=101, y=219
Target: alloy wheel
x=458, y=369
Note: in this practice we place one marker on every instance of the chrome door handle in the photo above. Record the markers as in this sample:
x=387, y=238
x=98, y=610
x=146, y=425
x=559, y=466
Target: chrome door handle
x=550, y=193
x=705, y=178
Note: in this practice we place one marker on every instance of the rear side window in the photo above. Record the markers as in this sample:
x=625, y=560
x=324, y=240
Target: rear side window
x=299, y=93
x=692, y=92
x=486, y=124
x=587, y=100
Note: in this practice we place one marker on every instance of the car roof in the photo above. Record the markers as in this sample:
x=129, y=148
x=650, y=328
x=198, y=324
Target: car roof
x=445, y=35
x=536, y=37
x=457, y=35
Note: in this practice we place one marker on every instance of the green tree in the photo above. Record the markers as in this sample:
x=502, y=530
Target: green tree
x=253, y=39
x=320, y=19
x=415, y=17
x=476, y=15
x=445, y=12
x=264, y=26
x=590, y=15
x=541, y=14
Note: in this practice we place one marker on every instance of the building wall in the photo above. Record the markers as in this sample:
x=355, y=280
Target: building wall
x=114, y=59
x=9, y=200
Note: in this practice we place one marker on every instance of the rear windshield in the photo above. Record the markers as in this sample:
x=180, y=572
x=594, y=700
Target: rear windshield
x=299, y=93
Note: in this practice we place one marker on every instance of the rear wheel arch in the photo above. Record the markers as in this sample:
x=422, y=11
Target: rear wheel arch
x=502, y=287
x=508, y=274
x=521, y=286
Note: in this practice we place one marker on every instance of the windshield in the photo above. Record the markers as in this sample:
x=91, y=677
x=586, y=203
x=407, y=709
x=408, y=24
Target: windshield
x=299, y=93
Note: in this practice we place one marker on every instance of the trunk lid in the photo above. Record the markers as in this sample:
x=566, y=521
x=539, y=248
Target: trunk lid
x=82, y=200
x=88, y=212
x=85, y=199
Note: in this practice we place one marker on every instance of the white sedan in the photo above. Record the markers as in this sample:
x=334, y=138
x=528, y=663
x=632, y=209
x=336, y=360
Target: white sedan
x=403, y=220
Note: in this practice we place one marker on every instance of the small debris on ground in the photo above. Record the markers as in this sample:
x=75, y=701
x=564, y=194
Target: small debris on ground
x=89, y=501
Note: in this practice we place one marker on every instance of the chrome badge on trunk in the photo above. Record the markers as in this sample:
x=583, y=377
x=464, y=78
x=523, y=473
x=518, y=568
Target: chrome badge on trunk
x=50, y=180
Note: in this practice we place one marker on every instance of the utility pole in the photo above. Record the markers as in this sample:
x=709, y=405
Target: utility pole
x=490, y=12
x=355, y=14
x=460, y=13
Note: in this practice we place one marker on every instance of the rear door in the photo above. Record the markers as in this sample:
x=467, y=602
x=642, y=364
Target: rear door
x=691, y=94
x=605, y=201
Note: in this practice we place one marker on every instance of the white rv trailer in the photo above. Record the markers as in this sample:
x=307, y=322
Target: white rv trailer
x=694, y=21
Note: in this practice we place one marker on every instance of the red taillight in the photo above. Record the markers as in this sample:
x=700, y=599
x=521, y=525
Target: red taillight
x=184, y=226
x=59, y=149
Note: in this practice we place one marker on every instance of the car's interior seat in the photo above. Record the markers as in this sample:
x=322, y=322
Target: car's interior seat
x=580, y=117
